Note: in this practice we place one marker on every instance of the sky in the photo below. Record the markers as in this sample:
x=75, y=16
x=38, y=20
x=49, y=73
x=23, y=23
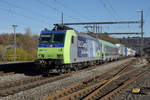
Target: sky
x=40, y=14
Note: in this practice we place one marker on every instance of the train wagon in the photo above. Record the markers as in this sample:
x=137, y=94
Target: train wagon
x=110, y=51
x=131, y=52
x=121, y=50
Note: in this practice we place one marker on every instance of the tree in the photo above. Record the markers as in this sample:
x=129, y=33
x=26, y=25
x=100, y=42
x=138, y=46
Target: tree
x=30, y=42
x=1, y=52
x=26, y=45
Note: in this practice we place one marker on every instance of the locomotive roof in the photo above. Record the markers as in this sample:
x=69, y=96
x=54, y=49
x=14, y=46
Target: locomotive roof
x=53, y=31
x=86, y=35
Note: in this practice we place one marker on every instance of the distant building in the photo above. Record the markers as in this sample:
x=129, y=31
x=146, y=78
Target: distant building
x=135, y=43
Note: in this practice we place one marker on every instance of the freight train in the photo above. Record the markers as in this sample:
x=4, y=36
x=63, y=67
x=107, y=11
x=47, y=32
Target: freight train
x=63, y=49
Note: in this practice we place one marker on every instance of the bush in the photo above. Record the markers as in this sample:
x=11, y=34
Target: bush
x=21, y=55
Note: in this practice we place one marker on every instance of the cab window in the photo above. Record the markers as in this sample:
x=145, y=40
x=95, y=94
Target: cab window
x=72, y=39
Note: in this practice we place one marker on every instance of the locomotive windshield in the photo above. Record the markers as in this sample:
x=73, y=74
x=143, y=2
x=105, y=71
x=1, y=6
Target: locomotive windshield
x=45, y=38
x=52, y=38
x=58, y=38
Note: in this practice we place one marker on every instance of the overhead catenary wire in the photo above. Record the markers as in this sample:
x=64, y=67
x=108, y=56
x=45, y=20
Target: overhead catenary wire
x=55, y=9
x=25, y=16
x=70, y=8
x=107, y=9
x=30, y=11
x=114, y=11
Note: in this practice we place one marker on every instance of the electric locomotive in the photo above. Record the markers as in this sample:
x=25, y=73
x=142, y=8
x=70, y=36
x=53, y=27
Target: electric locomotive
x=62, y=49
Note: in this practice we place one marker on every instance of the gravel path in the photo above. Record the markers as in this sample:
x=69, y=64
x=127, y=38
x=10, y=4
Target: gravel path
x=47, y=89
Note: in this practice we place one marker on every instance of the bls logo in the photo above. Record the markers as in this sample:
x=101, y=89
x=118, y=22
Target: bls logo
x=51, y=46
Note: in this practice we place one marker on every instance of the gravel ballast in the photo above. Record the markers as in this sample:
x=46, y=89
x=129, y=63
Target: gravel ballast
x=13, y=77
x=141, y=83
x=39, y=92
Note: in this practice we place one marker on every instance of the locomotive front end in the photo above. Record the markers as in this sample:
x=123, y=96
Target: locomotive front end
x=50, y=48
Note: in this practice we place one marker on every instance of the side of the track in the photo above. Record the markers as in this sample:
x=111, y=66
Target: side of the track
x=84, y=83
x=52, y=86
x=79, y=91
x=27, y=83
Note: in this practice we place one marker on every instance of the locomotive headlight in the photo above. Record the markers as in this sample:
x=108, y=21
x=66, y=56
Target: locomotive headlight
x=41, y=56
x=51, y=46
x=59, y=55
x=59, y=50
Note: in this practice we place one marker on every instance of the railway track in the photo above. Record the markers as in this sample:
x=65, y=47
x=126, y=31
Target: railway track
x=13, y=87
x=27, y=83
x=98, y=86
x=87, y=86
x=104, y=91
x=30, y=82
x=117, y=90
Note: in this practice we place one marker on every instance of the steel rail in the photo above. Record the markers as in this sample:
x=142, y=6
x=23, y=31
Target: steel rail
x=69, y=90
x=89, y=89
x=9, y=84
x=96, y=93
x=106, y=97
x=83, y=92
x=13, y=90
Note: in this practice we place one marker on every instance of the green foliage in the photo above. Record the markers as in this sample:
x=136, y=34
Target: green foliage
x=22, y=55
x=26, y=46
x=20, y=36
